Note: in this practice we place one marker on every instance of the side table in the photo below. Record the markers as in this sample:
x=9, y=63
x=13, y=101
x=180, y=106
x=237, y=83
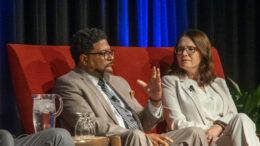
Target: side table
x=98, y=141
x=92, y=141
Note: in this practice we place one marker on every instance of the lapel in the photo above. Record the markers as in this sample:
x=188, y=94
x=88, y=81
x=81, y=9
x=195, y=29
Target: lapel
x=218, y=90
x=94, y=93
x=125, y=96
x=186, y=85
x=116, y=86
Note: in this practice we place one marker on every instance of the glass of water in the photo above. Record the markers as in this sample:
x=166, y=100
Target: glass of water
x=85, y=127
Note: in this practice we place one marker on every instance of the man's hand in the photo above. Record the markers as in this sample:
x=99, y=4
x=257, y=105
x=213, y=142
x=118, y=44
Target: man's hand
x=212, y=133
x=159, y=139
x=153, y=88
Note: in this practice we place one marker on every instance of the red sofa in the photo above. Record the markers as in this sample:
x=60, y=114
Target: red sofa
x=34, y=69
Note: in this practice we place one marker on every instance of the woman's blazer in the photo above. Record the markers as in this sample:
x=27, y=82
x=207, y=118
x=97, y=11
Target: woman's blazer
x=182, y=107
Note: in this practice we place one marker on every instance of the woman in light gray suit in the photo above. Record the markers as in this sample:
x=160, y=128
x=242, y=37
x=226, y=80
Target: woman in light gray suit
x=194, y=97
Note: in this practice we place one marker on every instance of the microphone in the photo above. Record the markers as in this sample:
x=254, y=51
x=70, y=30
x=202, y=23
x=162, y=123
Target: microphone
x=191, y=88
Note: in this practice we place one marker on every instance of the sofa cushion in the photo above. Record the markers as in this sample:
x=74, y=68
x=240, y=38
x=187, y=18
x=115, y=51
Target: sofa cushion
x=33, y=70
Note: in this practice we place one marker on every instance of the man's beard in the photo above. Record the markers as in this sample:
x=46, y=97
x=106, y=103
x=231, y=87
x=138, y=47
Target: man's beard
x=102, y=71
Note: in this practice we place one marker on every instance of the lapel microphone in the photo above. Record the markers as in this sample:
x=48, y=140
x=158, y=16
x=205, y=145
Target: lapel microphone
x=191, y=88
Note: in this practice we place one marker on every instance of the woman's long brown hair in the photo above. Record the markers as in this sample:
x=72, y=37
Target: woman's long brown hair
x=206, y=67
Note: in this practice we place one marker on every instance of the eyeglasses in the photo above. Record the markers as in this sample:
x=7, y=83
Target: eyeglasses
x=106, y=54
x=189, y=49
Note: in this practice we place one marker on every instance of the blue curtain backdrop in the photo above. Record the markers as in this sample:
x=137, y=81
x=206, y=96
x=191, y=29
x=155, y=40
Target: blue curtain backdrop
x=127, y=22
x=158, y=22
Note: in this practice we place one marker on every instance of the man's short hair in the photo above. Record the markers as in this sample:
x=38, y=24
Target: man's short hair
x=83, y=40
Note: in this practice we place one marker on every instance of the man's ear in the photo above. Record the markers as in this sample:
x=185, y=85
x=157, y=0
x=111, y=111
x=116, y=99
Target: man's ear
x=83, y=59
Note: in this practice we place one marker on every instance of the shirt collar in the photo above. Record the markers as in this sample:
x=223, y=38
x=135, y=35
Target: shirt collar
x=183, y=78
x=92, y=78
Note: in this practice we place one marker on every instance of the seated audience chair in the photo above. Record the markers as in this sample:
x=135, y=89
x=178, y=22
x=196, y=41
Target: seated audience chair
x=34, y=69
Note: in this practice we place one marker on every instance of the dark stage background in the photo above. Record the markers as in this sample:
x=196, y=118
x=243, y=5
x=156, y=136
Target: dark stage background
x=230, y=24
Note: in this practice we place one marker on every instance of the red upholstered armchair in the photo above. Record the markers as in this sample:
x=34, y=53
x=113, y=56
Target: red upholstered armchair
x=34, y=70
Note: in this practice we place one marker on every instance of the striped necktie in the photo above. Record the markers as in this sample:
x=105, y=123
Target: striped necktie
x=124, y=112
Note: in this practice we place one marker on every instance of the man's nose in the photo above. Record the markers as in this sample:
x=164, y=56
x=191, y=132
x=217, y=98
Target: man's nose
x=110, y=57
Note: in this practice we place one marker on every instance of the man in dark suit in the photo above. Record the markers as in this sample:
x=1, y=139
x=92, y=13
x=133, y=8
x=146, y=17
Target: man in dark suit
x=91, y=88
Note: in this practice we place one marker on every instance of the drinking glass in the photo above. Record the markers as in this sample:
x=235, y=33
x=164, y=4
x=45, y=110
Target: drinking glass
x=85, y=127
